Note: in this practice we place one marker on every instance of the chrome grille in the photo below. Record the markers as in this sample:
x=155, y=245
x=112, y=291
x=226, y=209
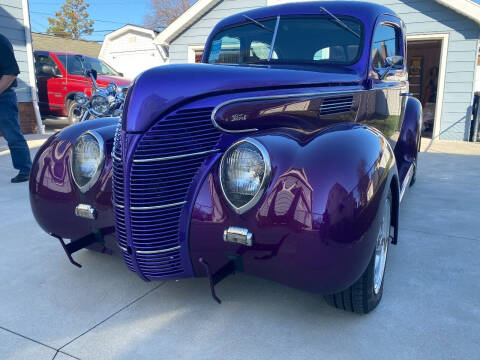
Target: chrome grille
x=118, y=197
x=336, y=105
x=165, y=162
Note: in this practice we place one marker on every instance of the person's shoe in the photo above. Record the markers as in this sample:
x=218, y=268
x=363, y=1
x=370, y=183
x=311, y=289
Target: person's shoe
x=20, y=178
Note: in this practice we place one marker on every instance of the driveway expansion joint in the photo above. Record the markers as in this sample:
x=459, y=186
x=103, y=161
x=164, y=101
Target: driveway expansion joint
x=112, y=315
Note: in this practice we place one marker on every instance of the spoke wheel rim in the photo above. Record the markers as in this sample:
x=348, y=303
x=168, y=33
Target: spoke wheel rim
x=381, y=248
x=74, y=117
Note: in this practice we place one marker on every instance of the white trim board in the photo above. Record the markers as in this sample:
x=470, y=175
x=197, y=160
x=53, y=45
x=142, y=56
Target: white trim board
x=31, y=65
x=442, y=70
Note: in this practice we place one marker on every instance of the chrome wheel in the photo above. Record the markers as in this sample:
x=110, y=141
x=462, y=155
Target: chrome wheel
x=381, y=248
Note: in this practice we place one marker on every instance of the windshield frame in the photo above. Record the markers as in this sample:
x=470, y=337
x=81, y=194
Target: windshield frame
x=271, y=61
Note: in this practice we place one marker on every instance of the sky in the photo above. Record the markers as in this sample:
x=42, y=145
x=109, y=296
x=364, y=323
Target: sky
x=109, y=14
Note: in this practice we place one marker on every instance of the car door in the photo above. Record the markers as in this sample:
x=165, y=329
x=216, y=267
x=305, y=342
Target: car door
x=50, y=85
x=389, y=83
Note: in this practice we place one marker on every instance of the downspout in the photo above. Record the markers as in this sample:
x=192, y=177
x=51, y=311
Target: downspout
x=31, y=66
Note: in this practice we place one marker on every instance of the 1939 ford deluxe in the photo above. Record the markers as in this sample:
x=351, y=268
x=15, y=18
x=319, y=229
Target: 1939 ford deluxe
x=284, y=155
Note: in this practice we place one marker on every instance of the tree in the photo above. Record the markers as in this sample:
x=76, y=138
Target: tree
x=71, y=21
x=164, y=12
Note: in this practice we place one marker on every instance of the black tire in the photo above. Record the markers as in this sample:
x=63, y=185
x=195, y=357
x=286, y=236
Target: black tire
x=361, y=297
x=72, y=118
x=414, y=176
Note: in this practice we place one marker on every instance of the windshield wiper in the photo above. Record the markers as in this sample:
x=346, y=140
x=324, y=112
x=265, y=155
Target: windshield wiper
x=259, y=24
x=339, y=22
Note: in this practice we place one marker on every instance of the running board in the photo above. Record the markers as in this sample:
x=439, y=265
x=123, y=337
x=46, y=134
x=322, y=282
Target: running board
x=406, y=181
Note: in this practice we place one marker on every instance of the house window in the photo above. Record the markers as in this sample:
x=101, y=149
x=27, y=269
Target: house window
x=198, y=56
x=195, y=54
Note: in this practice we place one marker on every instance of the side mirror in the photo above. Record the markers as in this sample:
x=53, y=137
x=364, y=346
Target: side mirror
x=394, y=62
x=48, y=70
x=91, y=73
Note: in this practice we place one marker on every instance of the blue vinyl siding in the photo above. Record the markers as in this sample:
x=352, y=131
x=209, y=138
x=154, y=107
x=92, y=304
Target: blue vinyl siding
x=197, y=34
x=11, y=26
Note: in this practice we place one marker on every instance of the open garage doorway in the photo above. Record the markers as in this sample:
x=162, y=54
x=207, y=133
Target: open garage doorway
x=424, y=66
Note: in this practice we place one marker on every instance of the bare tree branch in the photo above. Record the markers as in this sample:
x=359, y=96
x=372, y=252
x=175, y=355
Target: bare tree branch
x=164, y=12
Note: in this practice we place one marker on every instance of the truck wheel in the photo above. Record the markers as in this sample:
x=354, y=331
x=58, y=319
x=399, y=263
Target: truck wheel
x=73, y=118
x=365, y=294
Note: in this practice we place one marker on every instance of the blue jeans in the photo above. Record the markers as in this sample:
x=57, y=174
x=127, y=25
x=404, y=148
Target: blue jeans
x=10, y=128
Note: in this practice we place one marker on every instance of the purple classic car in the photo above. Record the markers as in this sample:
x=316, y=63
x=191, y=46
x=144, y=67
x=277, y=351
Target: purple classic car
x=284, y=155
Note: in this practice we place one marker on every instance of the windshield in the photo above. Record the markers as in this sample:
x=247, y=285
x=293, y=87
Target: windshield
x=299, y=40
x=74, y=66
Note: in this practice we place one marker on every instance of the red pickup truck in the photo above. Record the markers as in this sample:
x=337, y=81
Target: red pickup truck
x=61, y=75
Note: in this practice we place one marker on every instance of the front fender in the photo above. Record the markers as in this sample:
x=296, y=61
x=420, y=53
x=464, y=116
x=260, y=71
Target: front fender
x=315, y=226
x=53, y=193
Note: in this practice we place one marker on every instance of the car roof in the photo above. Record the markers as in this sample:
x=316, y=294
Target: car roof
x=365, y=11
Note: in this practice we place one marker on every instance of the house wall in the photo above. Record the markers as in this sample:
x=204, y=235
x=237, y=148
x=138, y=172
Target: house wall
x=477, y=77
x=197, y=34
x=131, y=53
x=12, y=27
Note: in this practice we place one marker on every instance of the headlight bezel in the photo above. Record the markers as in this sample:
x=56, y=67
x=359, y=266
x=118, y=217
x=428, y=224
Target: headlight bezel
x=92, y=106
x=265, y=180
x=93, y=180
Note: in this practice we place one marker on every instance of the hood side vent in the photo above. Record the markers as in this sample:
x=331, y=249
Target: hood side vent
x=336, y=105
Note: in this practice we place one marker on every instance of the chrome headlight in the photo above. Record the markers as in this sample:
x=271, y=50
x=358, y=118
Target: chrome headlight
x=244, y=174
x=81, y=99
x=99, y=104
x=87, y=160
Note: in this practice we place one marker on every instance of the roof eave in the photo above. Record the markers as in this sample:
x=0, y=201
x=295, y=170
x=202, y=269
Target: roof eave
x=467, y=8
x=195, y=12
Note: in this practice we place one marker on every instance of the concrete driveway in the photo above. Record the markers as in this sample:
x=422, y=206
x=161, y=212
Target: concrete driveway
x=430, y=310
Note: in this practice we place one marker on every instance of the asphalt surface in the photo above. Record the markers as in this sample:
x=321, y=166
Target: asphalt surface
x=50, y=309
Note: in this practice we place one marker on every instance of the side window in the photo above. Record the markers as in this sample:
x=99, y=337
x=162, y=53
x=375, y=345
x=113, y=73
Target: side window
x=45, y=66
x=385, y=43
x=225, y=51
x=71, y=64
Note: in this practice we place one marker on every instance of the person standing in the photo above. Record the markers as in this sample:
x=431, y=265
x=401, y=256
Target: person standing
x=9, y=124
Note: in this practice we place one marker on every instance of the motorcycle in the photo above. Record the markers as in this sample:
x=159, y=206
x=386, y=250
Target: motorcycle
x=105, y=102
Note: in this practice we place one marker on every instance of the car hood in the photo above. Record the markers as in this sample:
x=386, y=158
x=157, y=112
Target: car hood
x=159, y=89
x=104, y=80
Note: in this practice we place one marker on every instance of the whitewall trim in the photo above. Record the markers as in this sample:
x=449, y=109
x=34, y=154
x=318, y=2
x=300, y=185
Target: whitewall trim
x=442, y=71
